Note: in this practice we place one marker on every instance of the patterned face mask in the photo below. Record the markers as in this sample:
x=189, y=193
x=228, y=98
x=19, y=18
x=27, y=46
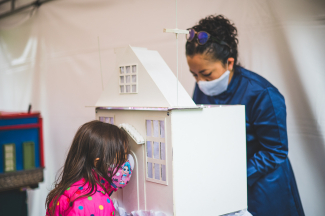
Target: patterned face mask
x=123, y=175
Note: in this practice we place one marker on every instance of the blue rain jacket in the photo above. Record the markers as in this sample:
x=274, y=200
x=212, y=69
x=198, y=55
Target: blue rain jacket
x=272, y=189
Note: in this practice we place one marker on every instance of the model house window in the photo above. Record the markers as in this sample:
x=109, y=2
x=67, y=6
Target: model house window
x=9, y=153
x=29, y=155
x=106, y=119
x=156, y=151
x=128, y=81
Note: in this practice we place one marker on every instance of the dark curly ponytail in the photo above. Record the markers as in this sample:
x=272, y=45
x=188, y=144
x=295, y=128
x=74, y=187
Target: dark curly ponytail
x=220, y=28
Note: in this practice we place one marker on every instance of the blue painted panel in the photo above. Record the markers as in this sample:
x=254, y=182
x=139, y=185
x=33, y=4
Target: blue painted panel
x=18, y=137
x=18, y=121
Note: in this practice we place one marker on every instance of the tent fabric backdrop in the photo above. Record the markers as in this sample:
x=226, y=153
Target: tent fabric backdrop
x=52, y=61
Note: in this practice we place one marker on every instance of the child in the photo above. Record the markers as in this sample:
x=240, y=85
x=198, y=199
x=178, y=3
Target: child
x=88, y=176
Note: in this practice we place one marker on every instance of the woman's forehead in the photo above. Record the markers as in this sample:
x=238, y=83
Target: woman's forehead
x=200, y=61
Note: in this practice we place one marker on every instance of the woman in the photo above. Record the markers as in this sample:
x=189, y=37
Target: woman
x=211, y=52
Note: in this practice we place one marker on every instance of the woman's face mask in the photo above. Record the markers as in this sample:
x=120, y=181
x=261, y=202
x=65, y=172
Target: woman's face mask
x=215, y=87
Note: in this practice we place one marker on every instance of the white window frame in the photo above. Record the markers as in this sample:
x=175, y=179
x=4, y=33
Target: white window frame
x=124, y=84
x=10, y=159
x=154, y=160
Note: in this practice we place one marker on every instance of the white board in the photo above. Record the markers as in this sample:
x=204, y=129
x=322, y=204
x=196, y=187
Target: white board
x=209, y=160
x=156, y=83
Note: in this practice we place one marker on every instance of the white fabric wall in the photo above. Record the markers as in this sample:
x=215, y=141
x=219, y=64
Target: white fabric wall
x=52, y=61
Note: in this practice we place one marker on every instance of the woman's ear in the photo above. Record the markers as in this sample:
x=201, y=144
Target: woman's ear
x=95, y=161
x=231, y=62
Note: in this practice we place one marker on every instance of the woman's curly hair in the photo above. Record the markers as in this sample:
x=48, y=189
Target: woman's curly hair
x=220, y=28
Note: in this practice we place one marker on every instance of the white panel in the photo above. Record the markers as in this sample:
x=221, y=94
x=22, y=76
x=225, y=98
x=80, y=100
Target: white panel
x=134, y=88
x=153, y=196
x=161, y=74
x=209, y=153
x=132, y=197
x=131, y=194
x=153, y=74
x=148, y=94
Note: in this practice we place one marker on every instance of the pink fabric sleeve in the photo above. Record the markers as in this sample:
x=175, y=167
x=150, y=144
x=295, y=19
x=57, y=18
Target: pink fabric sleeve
x=60, y=207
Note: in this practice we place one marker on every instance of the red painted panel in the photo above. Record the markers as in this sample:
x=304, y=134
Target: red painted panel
x=15, y=127
x=14, y=115
x=41, y=144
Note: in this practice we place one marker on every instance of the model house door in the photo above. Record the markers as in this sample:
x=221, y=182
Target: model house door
x=133, y=195
x=29, y=155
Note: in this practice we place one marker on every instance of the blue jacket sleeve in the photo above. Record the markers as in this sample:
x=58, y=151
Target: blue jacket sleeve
x=269, y=120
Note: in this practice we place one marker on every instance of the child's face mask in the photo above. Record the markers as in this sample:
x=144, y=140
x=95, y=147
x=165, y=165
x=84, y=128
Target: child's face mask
x=122, y=177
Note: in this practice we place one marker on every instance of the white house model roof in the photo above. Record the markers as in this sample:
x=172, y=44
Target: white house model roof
x=142, y=79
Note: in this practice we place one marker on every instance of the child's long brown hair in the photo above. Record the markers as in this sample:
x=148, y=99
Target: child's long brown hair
x=93, y=140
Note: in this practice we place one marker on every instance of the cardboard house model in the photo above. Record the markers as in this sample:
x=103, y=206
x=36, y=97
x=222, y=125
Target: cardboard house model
x=187, y=159
x=21, y=150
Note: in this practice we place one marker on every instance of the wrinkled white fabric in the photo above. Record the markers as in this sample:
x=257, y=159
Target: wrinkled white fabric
x=52, y=61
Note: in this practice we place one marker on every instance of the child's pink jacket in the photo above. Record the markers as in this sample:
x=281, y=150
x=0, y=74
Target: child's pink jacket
x=98, y=204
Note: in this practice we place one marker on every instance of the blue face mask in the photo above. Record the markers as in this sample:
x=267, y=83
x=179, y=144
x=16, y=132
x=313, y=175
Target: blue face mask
x=215, y=87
